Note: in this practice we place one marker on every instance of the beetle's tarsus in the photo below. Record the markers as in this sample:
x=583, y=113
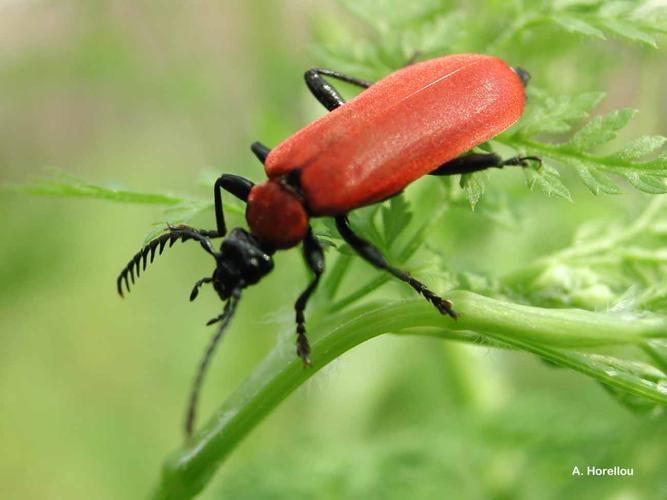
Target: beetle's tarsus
x=302, y=345
x=195, y=290
x=214, y=320
x=445, y=307
x=522, y=161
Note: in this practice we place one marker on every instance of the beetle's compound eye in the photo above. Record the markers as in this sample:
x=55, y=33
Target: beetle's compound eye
x=522, y=74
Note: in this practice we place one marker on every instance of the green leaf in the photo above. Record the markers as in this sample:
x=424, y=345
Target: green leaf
x=633, y=21
x=547, y=179
x=596, y=180
x=555, y=115
x=628, y=31
x=577, y=25
x=384, y=14
x=568, y=4
x=647, y=182
x=600, y=130
x=635, y=404
x=432, y=37
x=473, y=185
x=62, y=187
x=640, y=147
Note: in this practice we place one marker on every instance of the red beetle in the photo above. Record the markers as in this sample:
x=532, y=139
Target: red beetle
x=420, y=120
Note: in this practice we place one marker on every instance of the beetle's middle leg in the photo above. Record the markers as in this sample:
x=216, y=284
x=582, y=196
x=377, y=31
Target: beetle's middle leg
x=314, y=255
x=371, y=254
x=323, y=91
x=481, y=161
x=326, y=93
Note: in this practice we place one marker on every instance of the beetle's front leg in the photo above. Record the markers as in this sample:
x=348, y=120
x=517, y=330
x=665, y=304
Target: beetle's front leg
x=314, y=255
x=326, y=93
x=481, y=161
x=373, y=255
x=234, y=184
x=195, y=290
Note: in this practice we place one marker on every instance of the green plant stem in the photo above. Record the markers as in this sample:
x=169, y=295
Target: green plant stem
x=657, y=353
x=542, y=331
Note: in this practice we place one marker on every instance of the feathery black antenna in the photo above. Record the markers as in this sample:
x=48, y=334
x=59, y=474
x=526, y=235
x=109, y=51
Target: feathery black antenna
x=140, y=260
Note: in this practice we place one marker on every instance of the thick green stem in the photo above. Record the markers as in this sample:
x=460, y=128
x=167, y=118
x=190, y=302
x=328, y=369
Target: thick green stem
x=543, y=331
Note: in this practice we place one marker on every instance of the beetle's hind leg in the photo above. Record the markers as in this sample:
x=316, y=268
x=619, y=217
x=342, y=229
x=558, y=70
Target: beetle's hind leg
x=481, y=161
x=326, y=93
x=371, y=254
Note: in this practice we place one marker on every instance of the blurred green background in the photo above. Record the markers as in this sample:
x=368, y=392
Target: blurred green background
x=92, y=388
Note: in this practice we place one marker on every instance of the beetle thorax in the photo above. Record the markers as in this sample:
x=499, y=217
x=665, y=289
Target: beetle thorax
x=276, y=214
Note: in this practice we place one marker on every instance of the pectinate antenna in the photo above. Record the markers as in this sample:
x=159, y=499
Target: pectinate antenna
x=140, y=260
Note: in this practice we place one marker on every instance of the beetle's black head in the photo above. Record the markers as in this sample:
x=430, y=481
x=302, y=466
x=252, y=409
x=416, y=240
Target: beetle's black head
x=522, y=74
x=242, y=261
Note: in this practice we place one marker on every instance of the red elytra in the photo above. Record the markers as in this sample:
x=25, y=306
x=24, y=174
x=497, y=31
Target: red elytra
x=398, y=130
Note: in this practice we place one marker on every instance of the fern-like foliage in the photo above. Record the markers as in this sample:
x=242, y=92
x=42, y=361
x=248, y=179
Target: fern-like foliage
x=598, y=171
x=634, y=21
x=607, y=266
x=400, y=32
